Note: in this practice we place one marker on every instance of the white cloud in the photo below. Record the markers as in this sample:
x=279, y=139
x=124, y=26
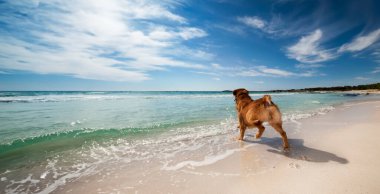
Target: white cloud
x=218, y=66
x=309, y=74
x=97, y=39
x=264, y=71
x=361, y=78
x=254, y=22
x=231, y=28
x=207, y=73
x=189, y=33
x=361, y=42
x=253, y=71
x=248, y=73
x=376, y=70
x=308, y=50
x=308, y=66
x=275, y=72
x=161, y=33
x=376, y=53
x=275, y=27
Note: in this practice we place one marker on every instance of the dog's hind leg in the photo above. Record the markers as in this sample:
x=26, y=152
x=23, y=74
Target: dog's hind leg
x=261, y=130
x=278, y=128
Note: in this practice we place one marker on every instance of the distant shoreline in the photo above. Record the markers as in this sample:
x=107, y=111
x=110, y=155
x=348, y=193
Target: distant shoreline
x=359, y=89
x=359, y=92
x=369, y=88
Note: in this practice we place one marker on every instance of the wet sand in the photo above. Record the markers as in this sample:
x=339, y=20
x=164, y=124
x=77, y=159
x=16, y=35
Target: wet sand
x=338, y=152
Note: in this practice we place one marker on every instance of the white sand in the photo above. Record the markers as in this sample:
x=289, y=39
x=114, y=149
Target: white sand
x=334, y=153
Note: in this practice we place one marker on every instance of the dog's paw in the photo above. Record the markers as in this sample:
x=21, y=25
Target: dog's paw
x=239, y=138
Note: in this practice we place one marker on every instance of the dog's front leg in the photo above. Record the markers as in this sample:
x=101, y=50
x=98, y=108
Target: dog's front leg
x=242, y=128
x=242, y=131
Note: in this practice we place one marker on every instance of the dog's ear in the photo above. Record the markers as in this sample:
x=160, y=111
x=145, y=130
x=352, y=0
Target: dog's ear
x=267, y=100
x=240, y=91
x=235, y=92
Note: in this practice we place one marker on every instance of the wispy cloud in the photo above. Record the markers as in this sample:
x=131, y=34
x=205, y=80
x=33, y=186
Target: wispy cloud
x=190, y=33
x=308, y=49
x=361, y=42
x=308, y=66
x=274, y=72
x=207, y=73
x=218, y=70
x=310, y=73
x=247, y=73
x=235, y=29
x=361, y=78
x=376, y=70
x=104, y=40
x=254, y=22
x=219, y=67
x=273, y=28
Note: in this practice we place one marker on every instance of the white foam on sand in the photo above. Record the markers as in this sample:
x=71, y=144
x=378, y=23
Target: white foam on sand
x=208, y=160
x=304, y=115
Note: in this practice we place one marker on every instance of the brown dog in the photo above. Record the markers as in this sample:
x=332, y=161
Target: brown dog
x=252, y=113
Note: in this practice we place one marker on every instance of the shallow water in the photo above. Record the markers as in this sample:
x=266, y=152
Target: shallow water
x=48, y=139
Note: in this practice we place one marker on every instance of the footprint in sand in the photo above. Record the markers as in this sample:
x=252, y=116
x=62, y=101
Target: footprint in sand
x=294, y=165
x=303, y=157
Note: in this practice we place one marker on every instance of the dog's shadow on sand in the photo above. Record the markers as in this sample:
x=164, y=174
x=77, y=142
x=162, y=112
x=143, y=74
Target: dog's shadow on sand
x=298, y=150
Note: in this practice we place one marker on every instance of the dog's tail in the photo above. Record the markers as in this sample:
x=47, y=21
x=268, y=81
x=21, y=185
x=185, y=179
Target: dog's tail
x=267, y=100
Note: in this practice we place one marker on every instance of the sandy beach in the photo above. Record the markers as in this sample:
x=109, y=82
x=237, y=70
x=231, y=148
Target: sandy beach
x=337, y=152
x=142, y=96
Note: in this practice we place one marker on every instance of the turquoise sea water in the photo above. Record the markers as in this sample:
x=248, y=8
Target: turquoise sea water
x=50, y=138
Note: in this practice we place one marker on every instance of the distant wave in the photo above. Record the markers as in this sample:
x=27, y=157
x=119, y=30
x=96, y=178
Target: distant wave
x=60, y=98
x=55, y=98
x=35, y=97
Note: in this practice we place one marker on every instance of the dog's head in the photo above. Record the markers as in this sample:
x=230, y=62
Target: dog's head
x=238, y=93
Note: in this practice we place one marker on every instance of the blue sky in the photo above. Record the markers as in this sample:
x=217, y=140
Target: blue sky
x=187, y=45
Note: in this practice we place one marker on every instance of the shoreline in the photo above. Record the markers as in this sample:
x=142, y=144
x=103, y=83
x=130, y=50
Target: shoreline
x=332, y=153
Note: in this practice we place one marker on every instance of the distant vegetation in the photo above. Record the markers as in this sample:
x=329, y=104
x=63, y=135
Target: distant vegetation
x=337, y=88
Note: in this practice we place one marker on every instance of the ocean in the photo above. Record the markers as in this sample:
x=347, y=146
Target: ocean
x=51, y=139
